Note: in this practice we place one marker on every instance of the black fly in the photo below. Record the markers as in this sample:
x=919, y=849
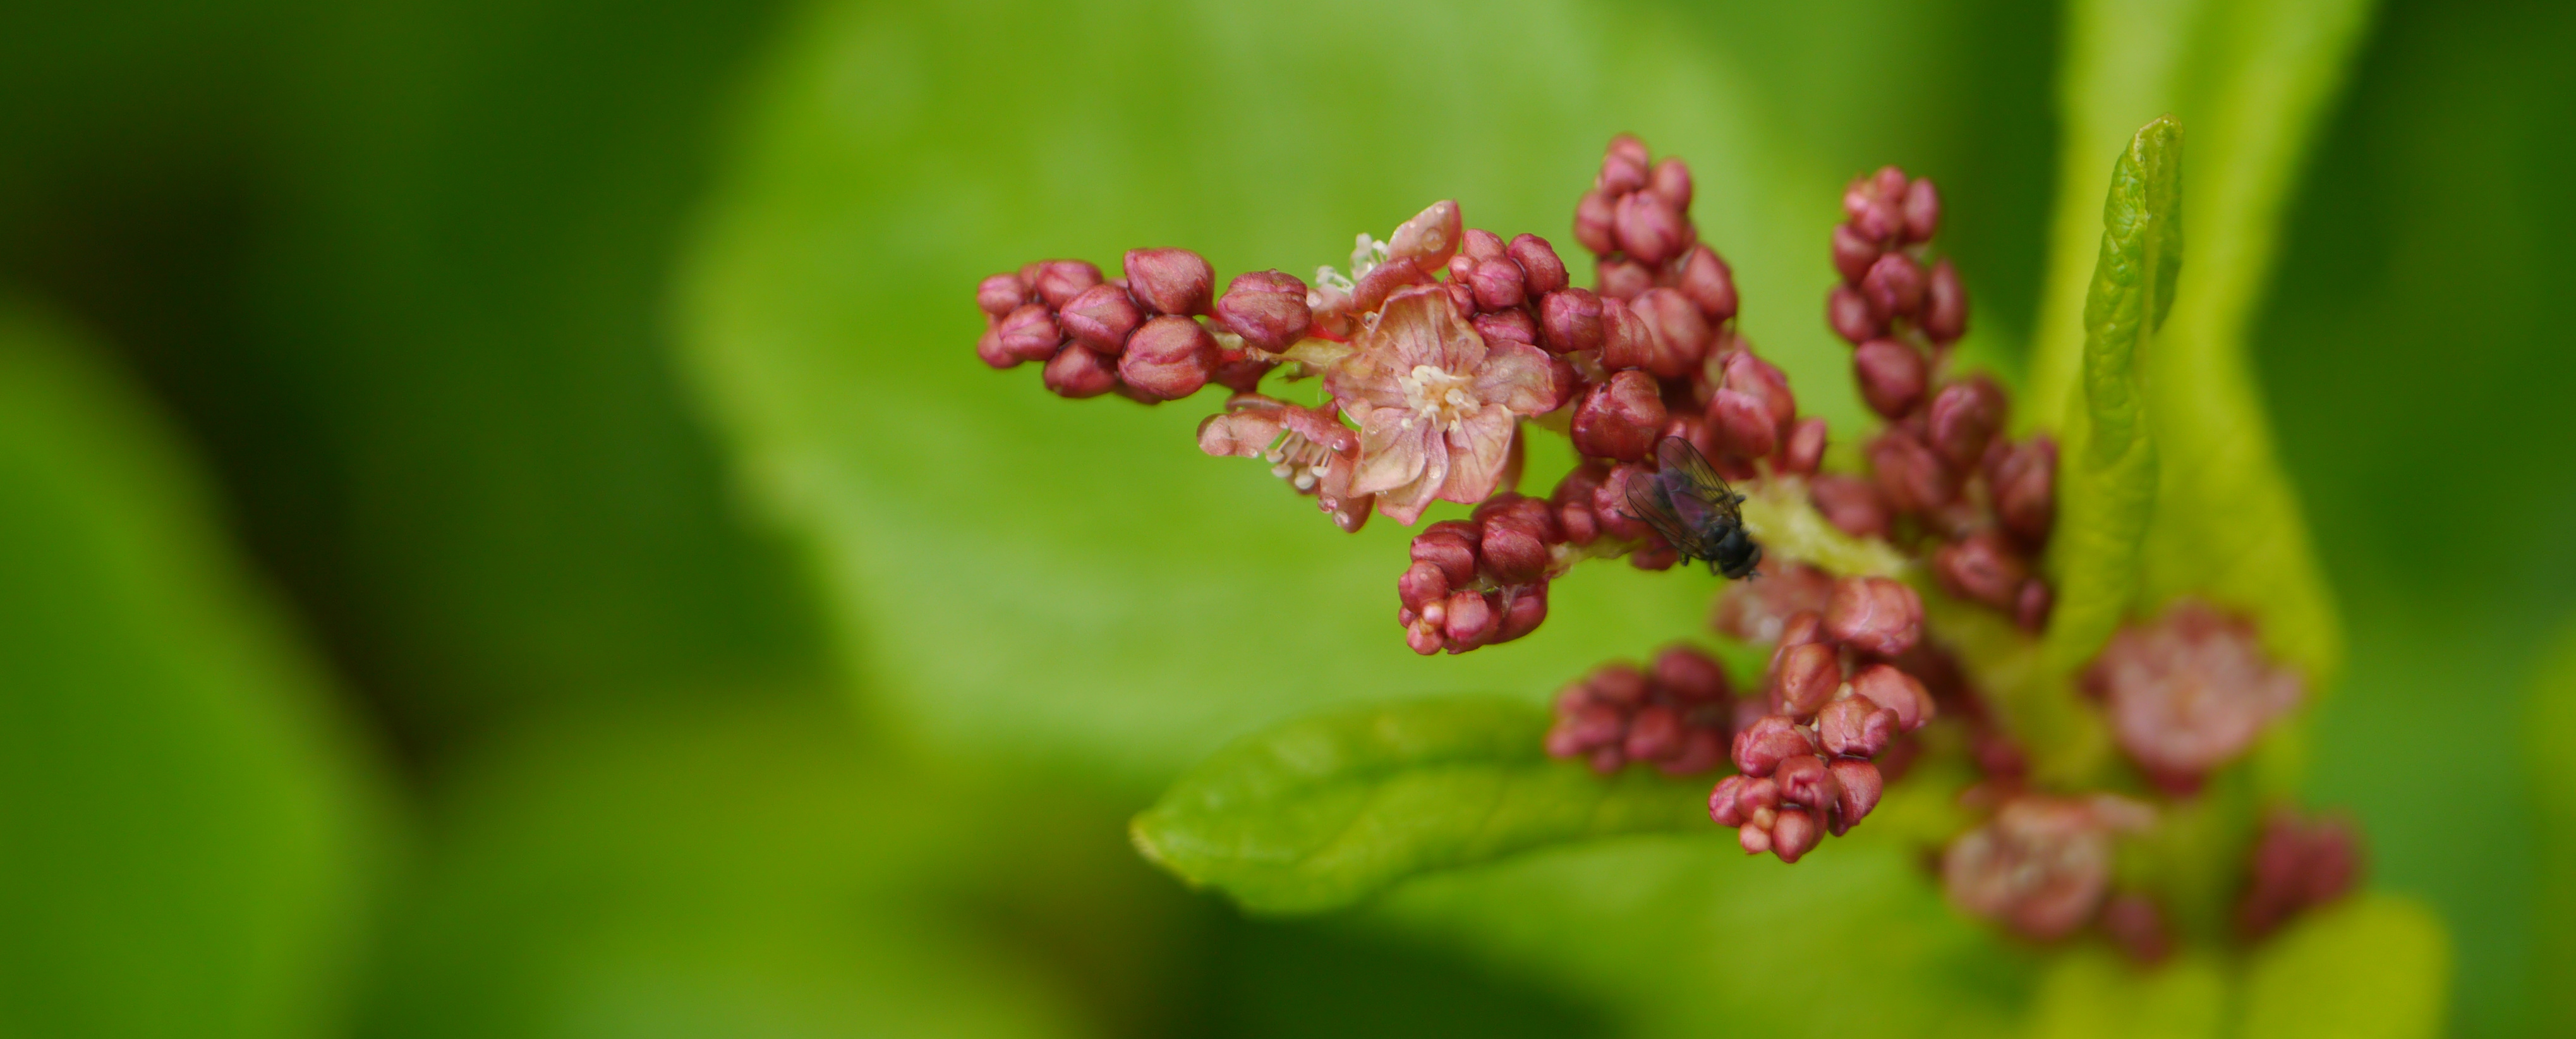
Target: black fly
x=1691, y=506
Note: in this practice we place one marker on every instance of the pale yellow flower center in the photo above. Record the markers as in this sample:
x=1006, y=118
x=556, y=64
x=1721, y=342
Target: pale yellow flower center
x=1438, y=396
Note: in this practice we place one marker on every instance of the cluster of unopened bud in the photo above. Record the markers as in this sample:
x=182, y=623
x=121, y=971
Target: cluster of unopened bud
x=2298, y=865
x=1835, y=701
x=1482, y=580
x=1157, y=334
x=1677, y=715
x=1941, y=468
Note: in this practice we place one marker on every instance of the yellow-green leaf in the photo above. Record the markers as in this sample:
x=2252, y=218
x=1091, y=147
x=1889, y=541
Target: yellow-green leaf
x=2374, y=967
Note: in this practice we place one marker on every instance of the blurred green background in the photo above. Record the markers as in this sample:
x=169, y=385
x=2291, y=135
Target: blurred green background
x=502, y=532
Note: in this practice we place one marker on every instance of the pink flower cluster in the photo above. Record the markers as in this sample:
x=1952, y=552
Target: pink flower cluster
x=1677, y=715
x=1836, y=701
x=1940, y=469
x=1139, y=336
x=2188, y=692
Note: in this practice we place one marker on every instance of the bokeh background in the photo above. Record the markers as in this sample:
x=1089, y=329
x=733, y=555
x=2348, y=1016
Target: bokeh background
x=502, y=532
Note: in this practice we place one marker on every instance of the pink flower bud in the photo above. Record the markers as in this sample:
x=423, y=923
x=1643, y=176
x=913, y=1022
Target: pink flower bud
x=1856, y=726
x=1461, y=295
x=1000, y=294
x=2023, y=480
x=1610, y=504
x=1471, y=622
x=1102, y=317
x=1805, y=679
x=1515, y=546
x=1423, y=583
x=1383, y=280
x=1721, y=802
x=1891, y=376
x=1621, y=278
x=1762, y=746
x=1853, y=253
x=1497, y=283
x=1676, y=333
x=1570, y=320
x=1625, y=341
x=1524, y=609
x=1619, y=419
x=1851, y=504
x=1507, y=326
x=1795, y=834
x=1620, y=684
x=1671, y=179
x=1057, y=282
x=1851, y=315
x=1649, y=229
x=1623, y=171
x=1874, y=615
x=1965, y=416
x=1423, y=636
x=1170, y=281
x=2031, y=606
x=1655, y=734
x=1754, y=837
x=1078, y=373
x=1922, y=210
x=1451, y=546
x=1901, y=693
x=1741, y=425
x=1430, y=238
x=1267, y=308
x=1543, y=272
x=1478, y=246
x=1945, y=308
x=1910, y=476
x=1586, y=729
x=1594, y=217
x=1894, y=285
x=1169, y=358
x=1805, y=448
x=1029, y=334
x=2134, y=924
x=1690, y=676
x=1707, y=280
x=1982, y=569
x=1859, y=785
x=2296, y=866
x=1806, y=782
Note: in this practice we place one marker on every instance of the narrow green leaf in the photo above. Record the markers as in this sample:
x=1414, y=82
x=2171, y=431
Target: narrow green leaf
x=2252, y=80
x=2108, y=469
x=1324, y=811
x=2375, y=967
x=2551, y=731
x=188, y=833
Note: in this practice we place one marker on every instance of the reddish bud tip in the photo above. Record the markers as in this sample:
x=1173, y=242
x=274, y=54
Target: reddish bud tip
x=1267, y=308
x=1965, y=416
x=1690, y=676
x=1804, y=678
x=1497, y=283
x=1649, y=228
x=1982, y=569
x=1029, y=334
x=1057, y=282
x=1874, y=615
x=1541, y=268
x=1102, y=317
x=1898, y=692
x=1721, y=802
x=1619, y=419
x=1000, y=294
x=1570, y=320
x=1621, y=278
x=1763, y=745
x=2134, y=924
x=1851, y=315
x=1478, y=246
x=1859, y=785
x=1945, y=309
x=1851, y=504
x=1451, y=546
x=2023, y=480
x=1910, y=476
x=1891, y=376
x=1805, y=782
x=1922, y=210
x=1078, y=373
x=1671, y=180
x=2031, y=607
x=1795, y=834
x=1594, y=217
x=1856, y=726
x=1853, y=253
x=1430, y=238
x=1524, y=609
x=1676, y=332
x=1805, y=448
x=1709, y=282
x=1472, y=621
x=1654, y=734
x=1168, y=359
x=1894, y=285
x=1170, y=281
x=1423, y=583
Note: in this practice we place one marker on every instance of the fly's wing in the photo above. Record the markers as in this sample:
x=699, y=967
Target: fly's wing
x=1652, y=502
x=1687, y=475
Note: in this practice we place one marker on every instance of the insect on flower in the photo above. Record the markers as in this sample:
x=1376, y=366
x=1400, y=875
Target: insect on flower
x=1692, y=507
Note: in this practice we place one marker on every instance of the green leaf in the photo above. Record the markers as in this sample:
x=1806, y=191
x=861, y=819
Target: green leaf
x=190, y=834
x=2551, y=730
x=2091, y=992
x=2377, y=966
x=1023, y=574
x=1325, y=811
x=2252, y=80
x=2108, y=484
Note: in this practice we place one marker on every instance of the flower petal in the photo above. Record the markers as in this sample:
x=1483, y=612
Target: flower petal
x=1405, y=504
x=1517, y=376
x=1393, y=450
x=1476, y=451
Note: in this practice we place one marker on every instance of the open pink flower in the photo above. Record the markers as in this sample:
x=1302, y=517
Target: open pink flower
x=1436, y=405
x=1307, y=447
